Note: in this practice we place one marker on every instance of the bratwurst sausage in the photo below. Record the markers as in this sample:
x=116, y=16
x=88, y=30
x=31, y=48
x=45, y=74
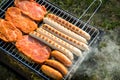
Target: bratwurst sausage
x=52, y=44
x=64, y=30
x=51, y=72
x=69, y=26
x=68, y=46
x=65, y=37
x=61, y=57
x=57, y=65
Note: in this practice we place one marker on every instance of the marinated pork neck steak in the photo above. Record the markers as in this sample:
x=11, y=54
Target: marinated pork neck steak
x=31, y=9
x=8, y=32
x=25, y=24
x=33, y=49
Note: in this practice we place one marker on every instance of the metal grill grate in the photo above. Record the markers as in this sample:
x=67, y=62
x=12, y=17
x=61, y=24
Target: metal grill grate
x=11, y=50
x=67, y=16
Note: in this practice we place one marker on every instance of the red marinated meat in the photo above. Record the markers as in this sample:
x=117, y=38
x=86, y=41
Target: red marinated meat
x=33, y=49
x=31, y=9
x=8, y=32
x=25, y=24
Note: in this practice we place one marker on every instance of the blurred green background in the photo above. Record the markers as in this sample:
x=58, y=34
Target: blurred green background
x=98, y=67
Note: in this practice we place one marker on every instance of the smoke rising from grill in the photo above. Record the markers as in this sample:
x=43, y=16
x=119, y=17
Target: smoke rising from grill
x=105, y=63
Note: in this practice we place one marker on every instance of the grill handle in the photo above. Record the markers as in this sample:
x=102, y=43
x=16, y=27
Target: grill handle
x=85, y=12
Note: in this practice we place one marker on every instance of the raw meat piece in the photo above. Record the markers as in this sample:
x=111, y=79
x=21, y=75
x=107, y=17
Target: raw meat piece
x=25, y=24
x=8, y=32
x=33, y=49
x=31, y=9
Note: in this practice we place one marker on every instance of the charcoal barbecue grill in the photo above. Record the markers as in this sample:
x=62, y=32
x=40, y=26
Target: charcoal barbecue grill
x=10, y=49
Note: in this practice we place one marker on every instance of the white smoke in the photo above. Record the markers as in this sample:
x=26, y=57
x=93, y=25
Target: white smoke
x=105, y=63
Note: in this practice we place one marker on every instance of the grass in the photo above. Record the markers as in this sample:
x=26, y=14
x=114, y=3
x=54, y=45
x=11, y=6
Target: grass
x=107, y=17
x=110, y=16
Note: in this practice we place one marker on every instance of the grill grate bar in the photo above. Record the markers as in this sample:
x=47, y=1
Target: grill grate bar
x=73, y=21
x=1, y=10
x=11, y=48
x=48, y=7
x=3, y=3
x=65, y=17
x=1, y=42
x=92, y=41
x=4, y=45
x=42, y=3
x=69, y=18
x=7, y=46
x=61, y=14
x=37, y=66
x=51, y=8
x=33, y=65
x=16, y=53
x=6, y=6
x=39, y=1
x=57, y=12
x=13, y=51
x=80, y=25
x=87, y=28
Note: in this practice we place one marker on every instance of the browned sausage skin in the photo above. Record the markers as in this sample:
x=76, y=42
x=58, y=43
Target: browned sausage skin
x=52, y=44
x=69, y=26
x=61, y=57
x=51, y=72
x=57, y=65
x=65, y=37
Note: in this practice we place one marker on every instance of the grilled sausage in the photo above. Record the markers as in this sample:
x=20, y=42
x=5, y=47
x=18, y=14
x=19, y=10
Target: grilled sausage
x=57, y=65
x=52, y=44
x=51, y=72
x=64, y=30
x=61, y=57
x=69, y=26
x=66, y=38
x=68, y=46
